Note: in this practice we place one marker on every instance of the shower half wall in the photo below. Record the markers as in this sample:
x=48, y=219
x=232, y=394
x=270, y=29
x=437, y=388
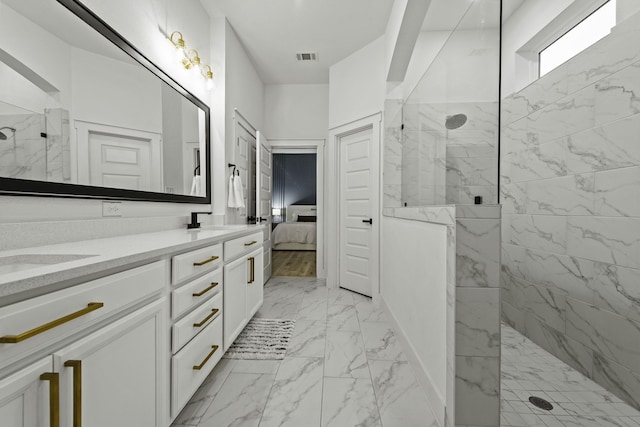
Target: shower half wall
x=570, y=183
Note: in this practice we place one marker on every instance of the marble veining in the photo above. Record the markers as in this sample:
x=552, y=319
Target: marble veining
x=345, y=355
x=349, y=402
x=296, y=394
x=570, y=175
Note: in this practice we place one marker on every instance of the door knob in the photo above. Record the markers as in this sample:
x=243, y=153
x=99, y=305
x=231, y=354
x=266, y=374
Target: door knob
x=369, y=221
x=262, y=219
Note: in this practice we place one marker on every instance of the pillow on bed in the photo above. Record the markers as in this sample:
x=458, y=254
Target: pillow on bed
x=306, y=218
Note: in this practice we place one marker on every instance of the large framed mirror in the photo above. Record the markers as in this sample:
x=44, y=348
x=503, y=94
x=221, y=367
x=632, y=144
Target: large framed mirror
x=84, y=114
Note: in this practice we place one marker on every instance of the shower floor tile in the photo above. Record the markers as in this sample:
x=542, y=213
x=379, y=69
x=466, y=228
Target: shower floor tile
x=528, y=370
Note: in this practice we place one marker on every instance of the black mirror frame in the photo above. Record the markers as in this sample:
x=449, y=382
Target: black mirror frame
x=26, y=187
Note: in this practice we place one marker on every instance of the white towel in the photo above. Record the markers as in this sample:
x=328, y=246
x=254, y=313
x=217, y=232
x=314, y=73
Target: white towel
x=237, y=190
x=232, y=203
x=196, y=185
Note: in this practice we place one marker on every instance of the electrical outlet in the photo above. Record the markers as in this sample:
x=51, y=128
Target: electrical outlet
x=111, y=208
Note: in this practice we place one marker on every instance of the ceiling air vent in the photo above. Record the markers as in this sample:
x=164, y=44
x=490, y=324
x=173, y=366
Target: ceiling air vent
x=307, y=56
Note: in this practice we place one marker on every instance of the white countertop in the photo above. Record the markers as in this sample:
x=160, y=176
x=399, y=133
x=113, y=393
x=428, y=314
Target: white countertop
x=105, y=255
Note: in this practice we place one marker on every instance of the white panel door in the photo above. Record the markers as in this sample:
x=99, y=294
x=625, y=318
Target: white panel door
x=264, y=186
x=119, y=162
x=24, y=397
x=245, y=164
x=358, y=206
x=235, y=299
x=116, y=376
x=255, y=282
x=110, y=156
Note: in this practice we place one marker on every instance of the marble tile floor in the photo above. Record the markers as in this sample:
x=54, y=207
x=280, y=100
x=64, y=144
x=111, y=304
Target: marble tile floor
x=344, y=367
x=529, y=370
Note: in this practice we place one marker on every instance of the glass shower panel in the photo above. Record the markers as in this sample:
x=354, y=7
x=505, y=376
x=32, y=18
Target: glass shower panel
x=450, y=135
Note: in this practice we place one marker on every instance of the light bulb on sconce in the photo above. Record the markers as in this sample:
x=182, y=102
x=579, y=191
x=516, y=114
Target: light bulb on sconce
x=194, y=62
x=178, y=43
x=208, y=76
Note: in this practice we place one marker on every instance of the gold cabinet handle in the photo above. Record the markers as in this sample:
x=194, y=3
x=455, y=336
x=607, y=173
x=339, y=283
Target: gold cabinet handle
x=251, y=243
x=13, y=339
x=206, y=261
x=54, y=397
x=77, y=390
x=206, y=319
x=252, y=268
x=204, y=291
x=206, y=359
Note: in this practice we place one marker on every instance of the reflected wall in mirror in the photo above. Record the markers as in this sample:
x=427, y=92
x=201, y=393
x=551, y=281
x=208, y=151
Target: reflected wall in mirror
x=80, y=115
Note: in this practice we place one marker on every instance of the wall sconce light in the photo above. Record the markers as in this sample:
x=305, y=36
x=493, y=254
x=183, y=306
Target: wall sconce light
x=190, y=60
x=178, y=43
x=275, y=211
x=208, y=76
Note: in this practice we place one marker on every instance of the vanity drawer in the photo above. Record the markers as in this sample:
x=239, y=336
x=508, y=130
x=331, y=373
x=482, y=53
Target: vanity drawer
x=234, y=248
x=195, y=262
x=196, y=321
x=46, y=320
x=194, y=292
x=203, y=352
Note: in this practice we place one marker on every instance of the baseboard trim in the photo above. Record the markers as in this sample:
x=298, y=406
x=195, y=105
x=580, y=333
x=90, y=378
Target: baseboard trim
x=434, y=398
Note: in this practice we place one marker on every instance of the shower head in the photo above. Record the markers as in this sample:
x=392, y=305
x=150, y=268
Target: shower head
x=3, y=136
x=455, y=121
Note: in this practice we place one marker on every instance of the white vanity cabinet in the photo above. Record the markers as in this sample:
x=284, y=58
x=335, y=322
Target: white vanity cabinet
x=197, y=313
x=24, y=396
x=102, y=365
x=115, y=376
x=243, y=283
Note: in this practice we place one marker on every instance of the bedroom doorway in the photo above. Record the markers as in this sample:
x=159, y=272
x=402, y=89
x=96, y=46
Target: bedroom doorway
x=297, y=208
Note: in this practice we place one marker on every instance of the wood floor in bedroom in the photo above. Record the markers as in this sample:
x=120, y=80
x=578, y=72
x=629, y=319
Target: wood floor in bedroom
x=294, y=263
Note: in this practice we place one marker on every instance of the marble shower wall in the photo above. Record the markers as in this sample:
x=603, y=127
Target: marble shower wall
x=570, y=187
x=477, y=316
x=449, y=166
x=26, y=154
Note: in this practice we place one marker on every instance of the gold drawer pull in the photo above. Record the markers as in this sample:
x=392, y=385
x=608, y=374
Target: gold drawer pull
x=252, y=271
x=54, y=397
x=206, y=261
x=204, y=291
x=206, y=359
x=206, y=319
x=251, y=243
x=77, y=390
x=13, y=339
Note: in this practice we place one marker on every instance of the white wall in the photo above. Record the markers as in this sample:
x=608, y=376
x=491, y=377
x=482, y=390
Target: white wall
x=115, y=93
x=626, y=8
x=417, y=296
x=357, y=84
x=46, y=55
x=425, y=50
x=299, y=111
x=244, y=90
x=525, y=23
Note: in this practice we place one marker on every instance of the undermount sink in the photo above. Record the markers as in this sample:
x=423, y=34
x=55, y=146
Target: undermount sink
x=13, y=263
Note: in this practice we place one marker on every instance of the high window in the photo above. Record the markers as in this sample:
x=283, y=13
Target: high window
x=587, y=32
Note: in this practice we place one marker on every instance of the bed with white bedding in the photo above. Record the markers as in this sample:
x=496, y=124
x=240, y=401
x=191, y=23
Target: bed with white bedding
x=299, y=232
